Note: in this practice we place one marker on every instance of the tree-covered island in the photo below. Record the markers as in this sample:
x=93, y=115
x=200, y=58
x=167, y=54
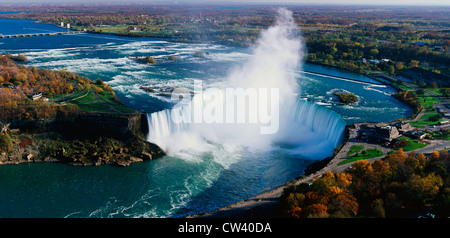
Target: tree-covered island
x=346, y=98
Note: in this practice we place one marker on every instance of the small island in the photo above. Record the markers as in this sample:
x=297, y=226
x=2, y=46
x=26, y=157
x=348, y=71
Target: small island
x=346, y=97
x=199, y=54
x=145, y=59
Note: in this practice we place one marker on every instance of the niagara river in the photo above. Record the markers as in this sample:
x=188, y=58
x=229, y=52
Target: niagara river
x=204, y=169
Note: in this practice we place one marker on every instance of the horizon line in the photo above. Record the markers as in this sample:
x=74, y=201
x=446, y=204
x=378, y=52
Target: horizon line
x=262, y=3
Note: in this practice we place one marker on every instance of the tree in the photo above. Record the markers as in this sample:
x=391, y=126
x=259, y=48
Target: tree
x=398, y=65
x=374, y=52
x=424, y=189
x=99, y=82
x=316, y=211
x=391, y=70
x=434, y=85
x=413, y=63
x=312, y=56
x=6, y=143
x=378, y=209
x=442, y=204
x=150, y=60
x=445, y=92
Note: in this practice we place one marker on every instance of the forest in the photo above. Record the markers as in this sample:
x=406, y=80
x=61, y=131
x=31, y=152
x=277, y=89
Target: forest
x=355, y=38
x=18, y=82
x=399, y=185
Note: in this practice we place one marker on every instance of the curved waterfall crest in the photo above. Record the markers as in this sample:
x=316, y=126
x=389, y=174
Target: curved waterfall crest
x=321, y=120
x=270, y=113
x=314, y=131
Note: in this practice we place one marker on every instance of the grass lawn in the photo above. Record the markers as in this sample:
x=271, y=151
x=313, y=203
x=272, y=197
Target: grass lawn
x=365, y=154
x=108, y=98
x=440, y=136
x=112, y=29
x=427, y=100
x=403, y=87
x=65, y=97
x=96, y=102
x=354, y=149
x=425, y=120
x=411, y=144
x=435, y=90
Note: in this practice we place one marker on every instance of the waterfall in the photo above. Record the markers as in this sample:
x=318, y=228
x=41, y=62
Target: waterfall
x=305, y=128
x=320, y=120
x=310, y=130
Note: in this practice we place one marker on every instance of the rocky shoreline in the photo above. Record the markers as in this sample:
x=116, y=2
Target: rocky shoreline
x=52, y=147
x=91, y=139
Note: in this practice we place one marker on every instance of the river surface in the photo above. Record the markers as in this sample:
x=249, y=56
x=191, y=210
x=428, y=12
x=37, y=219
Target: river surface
x=171, y=186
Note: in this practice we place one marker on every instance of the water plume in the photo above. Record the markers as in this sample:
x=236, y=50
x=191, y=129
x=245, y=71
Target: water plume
x=274, y=117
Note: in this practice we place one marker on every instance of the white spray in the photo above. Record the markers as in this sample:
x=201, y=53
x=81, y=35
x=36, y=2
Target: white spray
x=269, y=74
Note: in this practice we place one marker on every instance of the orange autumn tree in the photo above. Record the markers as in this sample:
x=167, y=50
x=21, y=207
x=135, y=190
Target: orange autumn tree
x=399, y=185
x=327, y=196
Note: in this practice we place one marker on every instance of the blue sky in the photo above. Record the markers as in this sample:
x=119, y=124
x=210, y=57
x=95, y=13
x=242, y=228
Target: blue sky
x=349, y=2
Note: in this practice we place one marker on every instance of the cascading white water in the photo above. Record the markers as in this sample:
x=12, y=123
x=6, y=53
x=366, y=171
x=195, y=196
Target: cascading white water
x=312, y=130
x=308, y=129
x=321, y=120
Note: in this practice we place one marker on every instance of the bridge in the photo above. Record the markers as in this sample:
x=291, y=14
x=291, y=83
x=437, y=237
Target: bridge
x=39, y=34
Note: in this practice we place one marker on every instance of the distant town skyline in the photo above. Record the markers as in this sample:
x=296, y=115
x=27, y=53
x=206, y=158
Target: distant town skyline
x=327, y=2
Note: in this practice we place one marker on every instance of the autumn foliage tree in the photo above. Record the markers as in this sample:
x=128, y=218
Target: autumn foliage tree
x=327, y=196
x=409, y=98
x=397, y=186
x=17, y=81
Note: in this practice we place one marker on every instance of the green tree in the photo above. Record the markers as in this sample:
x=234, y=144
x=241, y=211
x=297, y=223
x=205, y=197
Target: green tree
x=6, y=143
x=424, y=189
x=391, y=70
x=420, y=92
x=445, y=92
x=312, y=56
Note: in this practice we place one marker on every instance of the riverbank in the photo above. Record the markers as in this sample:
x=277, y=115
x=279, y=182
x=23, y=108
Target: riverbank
x=267, y=205
x=54, y=147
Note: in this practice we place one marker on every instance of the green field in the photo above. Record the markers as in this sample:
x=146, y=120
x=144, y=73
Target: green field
x=425, y=120
x=427, y=101
x=354, y=149
x=403, y=87
x=440, y=135
x=411, y=144
x=365, y=154
x=90, y=101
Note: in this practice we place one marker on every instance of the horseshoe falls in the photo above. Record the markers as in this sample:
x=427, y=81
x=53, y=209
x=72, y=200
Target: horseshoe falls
x=209, y=165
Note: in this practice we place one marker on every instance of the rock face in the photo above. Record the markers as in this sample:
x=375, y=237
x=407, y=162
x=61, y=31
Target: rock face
x=146, y=156
x=87, y=139
x=88, y=125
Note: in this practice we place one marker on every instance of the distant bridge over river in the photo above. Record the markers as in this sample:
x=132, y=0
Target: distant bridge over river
x=39, y=34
